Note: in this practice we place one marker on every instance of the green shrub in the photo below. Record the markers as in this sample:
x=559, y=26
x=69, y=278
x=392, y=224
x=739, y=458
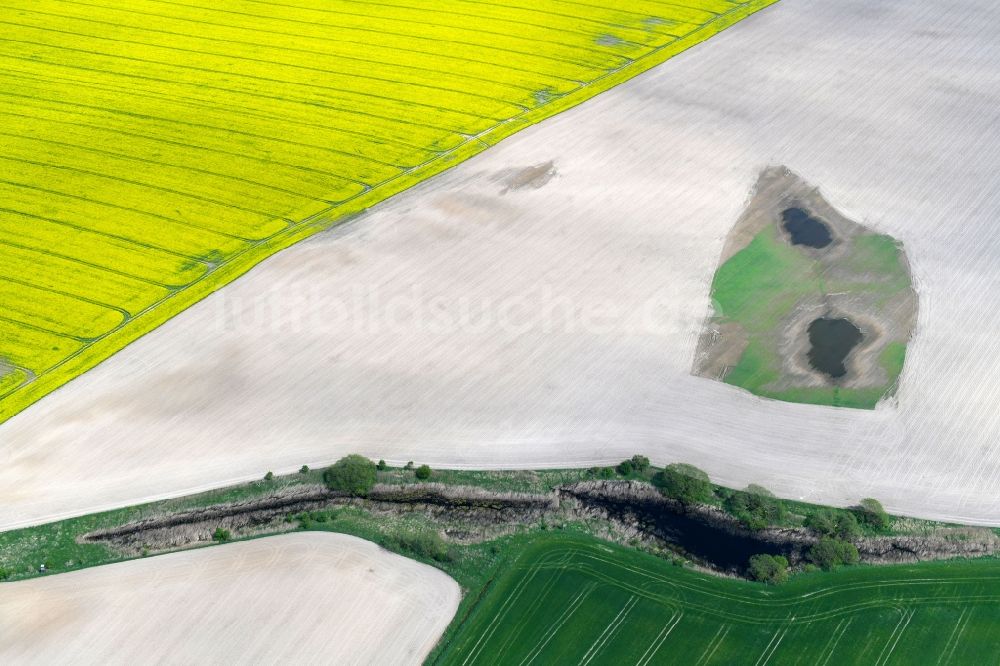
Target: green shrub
x=423, y=472
x=5, y=573
x=427, y=544
x=351, y=474
x=269, y=476
x=838, y=524
x=685, y=483
x=640, y=463
x=847, y=526
x=871, y=513
x=381, y=466
x=829, y=553
x=221, y=535
x=304, y=469
x=756, y=507
x=822, y=522
x=770, y=569
x=634, y=465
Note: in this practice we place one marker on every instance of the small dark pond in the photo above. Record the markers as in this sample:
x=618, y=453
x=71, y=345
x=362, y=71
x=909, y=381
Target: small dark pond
x=711, y=544
x=805, y=229
x=832, y=340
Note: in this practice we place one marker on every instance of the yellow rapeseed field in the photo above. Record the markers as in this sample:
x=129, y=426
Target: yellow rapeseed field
x=154, y=150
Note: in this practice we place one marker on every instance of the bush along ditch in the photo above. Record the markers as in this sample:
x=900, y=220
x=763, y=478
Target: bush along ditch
x=675, y=512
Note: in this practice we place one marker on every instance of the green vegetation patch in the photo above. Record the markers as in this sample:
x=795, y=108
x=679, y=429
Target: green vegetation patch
x=572, y=599
x=759, y=284
x=809, y=306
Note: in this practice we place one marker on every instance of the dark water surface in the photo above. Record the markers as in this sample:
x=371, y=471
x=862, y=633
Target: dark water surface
x=711, y=544
x=832, y=340
x=805, y=229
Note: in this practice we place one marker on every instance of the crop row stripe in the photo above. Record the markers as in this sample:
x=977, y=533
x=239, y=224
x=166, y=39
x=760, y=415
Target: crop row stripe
x=379, y=33
x=338, y=39
x=383, y=64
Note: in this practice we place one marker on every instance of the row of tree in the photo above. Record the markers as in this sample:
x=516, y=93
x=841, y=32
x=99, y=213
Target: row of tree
x=756, y=507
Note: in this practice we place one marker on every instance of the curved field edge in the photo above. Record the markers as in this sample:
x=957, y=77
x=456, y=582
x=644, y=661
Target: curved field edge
x=318, y=217
x=480, y=567
x=360, y=589
x=575, y=599
x=61, y=545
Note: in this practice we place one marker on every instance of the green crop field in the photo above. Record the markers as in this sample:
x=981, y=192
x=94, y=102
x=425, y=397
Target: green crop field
x=156, y=149
x=574, y=600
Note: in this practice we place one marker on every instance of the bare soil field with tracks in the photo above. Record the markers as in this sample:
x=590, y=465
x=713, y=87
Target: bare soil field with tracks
x=302, y=598
x=492, y=318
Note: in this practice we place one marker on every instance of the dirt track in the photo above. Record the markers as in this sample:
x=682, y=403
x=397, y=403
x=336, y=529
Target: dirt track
x=344, y=343
x=299, y=598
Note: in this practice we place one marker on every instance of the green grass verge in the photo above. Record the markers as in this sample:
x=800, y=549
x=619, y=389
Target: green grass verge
x=488, y=571
x=58, y=545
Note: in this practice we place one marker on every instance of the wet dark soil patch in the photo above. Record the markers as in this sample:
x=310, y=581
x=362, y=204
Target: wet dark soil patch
x=832, y=340
x=805, y=229
x=533, y=177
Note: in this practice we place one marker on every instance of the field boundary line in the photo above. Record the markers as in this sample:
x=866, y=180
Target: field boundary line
x=317, y=216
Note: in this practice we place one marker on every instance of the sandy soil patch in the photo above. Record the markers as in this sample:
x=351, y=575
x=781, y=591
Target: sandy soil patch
x=579, y=304
x=298, y=598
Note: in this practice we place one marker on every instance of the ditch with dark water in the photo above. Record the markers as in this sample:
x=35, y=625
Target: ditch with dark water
x=832, y=340
x=722, y=547
x=805, y=229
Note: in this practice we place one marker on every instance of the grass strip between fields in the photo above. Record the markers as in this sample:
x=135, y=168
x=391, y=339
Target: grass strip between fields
x=517, y=587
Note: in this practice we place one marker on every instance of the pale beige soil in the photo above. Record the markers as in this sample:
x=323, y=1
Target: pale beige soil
x=305, y=598
x=344, y=343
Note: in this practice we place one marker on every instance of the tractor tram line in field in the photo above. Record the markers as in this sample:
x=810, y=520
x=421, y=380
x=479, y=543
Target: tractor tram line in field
x=785, y=621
